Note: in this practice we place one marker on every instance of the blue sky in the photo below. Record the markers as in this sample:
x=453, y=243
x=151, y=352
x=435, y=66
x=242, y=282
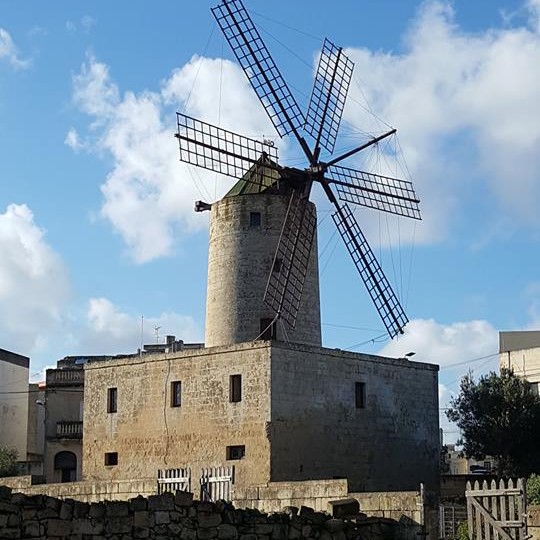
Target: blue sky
x=96, y=220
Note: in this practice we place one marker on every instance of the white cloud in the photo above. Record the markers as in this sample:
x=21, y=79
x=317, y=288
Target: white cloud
x=72, y=140
x=444, y=344
x=86, y=23
x=477, y=91
x=9, y=52
x=149, y=195
x=33, y=281
x=109, y=330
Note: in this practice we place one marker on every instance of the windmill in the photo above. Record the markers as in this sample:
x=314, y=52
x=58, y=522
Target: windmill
x=235, y=155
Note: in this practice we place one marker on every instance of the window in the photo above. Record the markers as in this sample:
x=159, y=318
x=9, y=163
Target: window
x=236, y=452
x=360, y=395
x=112, y=400
x=235, y=388
x=254, y=219
x=487, y=465
x=276, y=268
x=267, y=329
x=176, y=393
x=111, y=458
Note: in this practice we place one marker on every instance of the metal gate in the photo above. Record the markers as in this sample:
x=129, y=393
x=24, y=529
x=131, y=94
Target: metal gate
x=173, y=480
x=497, y=511
x=451, y=516
x=216, y=483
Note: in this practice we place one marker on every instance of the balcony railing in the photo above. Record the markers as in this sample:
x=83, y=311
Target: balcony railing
x=69, y=430
x=65, y=377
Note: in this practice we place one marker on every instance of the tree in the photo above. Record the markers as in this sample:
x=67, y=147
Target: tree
x=500, y=417
x=8, y=461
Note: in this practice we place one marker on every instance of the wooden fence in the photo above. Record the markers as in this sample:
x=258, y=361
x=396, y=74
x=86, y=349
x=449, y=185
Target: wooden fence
x=497, y=511
x=174, y=480
x=216, y=483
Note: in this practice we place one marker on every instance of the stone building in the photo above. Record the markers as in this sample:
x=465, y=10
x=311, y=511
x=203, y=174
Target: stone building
x=268, y=399
x=14, y=401
x=63, y=420
x=520, y=351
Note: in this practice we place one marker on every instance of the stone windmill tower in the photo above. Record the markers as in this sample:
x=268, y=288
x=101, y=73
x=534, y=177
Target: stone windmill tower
x=263, y=278
x=245, y=229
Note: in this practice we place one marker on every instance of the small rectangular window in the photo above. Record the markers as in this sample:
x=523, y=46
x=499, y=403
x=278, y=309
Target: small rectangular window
x=267, y=329
x=236, y=452
x=176, y=393
x=254, y=219
x=112, y=400
x=111, y=458
x=235, y=388
x=360, y=395
x=276, y=268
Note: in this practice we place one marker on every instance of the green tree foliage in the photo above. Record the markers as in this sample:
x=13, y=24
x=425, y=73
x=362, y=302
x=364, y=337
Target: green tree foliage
x=8, y=461
x=533, y=489
x=499, y=416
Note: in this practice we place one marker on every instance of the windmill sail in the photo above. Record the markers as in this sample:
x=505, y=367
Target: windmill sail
x=370, y=271
x=328, y=95
x=259, y=67
x=375, y=191
x=289, y=268
x=222, y=151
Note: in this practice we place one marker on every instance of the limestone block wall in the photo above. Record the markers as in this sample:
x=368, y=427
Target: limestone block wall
x=239, y=262
x=147, y=433
x=390, y=444
x=275, y=496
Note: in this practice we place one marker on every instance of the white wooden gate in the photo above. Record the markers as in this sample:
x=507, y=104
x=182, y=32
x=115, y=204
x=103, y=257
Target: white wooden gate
x=174, y=480
x=216, y=483
x=497, y=511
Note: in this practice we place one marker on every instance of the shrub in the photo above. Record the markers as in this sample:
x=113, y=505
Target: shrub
x=533, y=489
x=8, y=461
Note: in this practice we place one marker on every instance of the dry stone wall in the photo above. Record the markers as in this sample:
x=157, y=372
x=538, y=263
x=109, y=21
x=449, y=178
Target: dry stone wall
x=168, y=516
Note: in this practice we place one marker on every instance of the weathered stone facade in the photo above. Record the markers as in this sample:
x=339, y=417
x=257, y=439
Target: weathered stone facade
x=239, y=262
x=297, y=418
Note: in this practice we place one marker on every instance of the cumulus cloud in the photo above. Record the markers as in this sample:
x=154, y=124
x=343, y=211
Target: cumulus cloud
x=34, y=285
x=9, y=52
x=467, y=110
x=109, y=330
x=444, y=344
x=148, y=194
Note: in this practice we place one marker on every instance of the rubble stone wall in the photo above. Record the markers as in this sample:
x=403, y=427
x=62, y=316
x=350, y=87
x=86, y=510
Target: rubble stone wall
x=170, y=516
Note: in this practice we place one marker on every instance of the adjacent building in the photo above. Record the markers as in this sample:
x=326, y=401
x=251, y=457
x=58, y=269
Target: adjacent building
x=14, y=401
x=520, y=352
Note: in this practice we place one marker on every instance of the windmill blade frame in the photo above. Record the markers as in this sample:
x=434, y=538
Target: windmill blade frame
x=222, y=151
x=328, y=96
x=290, y=265
x=377, y=285
x=260, y=69
x=384, y=193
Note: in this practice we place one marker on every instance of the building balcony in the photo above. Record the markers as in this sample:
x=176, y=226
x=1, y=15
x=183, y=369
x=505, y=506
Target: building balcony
x=65, y=377
x=69, y=430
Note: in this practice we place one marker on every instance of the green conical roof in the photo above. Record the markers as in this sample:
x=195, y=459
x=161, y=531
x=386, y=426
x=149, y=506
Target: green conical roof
x=258, y=179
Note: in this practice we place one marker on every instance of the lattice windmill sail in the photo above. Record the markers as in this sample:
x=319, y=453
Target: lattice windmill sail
x=237, y=156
